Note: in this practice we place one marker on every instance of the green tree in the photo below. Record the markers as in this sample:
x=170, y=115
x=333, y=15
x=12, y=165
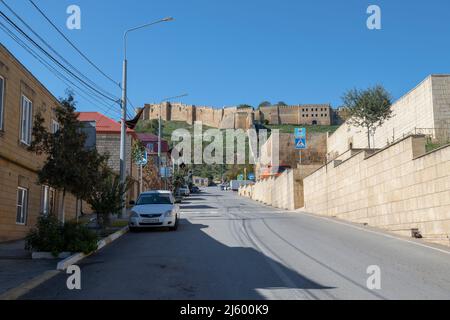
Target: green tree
x=368, y=108
x=107, y=196
x=265, y=104
x=69, y=166
x=282, y=104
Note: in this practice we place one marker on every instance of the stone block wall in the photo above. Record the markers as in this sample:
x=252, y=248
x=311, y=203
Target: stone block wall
x=425, y=109
x=238, y=118
x=284, y=192
x=399, y=188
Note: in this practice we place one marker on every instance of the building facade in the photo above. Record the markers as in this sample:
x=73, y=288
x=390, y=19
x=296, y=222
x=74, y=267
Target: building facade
x=150, y=142
x=22, y=199
x=108, y=143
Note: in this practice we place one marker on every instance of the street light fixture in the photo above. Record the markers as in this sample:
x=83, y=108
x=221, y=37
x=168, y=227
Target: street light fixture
x=124, y=103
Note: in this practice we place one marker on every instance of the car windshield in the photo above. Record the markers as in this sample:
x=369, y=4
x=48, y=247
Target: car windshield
x=154, y=199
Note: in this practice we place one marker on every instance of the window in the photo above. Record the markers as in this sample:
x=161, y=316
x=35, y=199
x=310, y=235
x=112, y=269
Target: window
x=2, y=93
x=25, y=125
x=151, y=147
x=47, y=200
x=22, y=206
x=55, y=126
x=154, y=198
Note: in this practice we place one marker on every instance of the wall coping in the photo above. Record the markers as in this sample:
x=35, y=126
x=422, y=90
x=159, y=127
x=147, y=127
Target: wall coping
x=375, y=153
x=433, y=151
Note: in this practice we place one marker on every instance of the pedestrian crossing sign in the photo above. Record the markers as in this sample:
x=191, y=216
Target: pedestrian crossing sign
x=300, y=138
x=300, y=143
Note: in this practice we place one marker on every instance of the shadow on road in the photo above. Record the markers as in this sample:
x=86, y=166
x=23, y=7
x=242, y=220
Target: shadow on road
x=196, y=207
x=187, y=264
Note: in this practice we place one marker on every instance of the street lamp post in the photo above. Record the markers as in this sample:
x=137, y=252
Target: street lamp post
x=123, y=129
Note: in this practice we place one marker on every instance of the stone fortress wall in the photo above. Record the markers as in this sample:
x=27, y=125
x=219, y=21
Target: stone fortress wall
x=240, y=118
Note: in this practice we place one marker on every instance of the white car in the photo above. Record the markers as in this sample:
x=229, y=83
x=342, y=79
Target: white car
x=185, y=191
x=154, y=209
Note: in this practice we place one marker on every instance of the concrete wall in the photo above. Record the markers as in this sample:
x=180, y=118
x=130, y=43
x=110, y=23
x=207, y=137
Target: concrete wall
x=424, y=110
x=288, y=155
x=284, y=192
x=398, y=189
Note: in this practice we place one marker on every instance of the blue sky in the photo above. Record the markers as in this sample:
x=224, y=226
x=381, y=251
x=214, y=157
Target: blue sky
x=246, y=51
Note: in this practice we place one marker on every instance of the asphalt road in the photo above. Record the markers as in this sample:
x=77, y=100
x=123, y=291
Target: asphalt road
x=229, y=247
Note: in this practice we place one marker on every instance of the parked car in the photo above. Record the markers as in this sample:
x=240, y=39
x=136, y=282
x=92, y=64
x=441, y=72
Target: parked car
x=195, y=189
x=154, y=209
x=184, y=190
x=178, y=196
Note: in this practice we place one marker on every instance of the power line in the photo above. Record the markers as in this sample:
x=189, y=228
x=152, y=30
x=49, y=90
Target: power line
x=53, y=58
x=72, y=44
x=78, y=50
x=52, y=49
x=106, y=108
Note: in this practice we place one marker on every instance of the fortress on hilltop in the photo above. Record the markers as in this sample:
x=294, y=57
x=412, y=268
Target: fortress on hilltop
x=241, y=117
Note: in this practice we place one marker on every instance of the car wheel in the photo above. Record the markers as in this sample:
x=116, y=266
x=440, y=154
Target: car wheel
x=175, y=227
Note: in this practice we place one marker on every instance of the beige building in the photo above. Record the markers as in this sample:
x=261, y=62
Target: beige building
x=423, y=110
x=108, y=143
x=22, y=200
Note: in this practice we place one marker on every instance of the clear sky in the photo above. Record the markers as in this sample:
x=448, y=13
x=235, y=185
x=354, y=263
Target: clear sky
x=231, y=52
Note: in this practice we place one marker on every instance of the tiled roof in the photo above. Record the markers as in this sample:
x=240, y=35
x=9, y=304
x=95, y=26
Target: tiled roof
x=103, y=123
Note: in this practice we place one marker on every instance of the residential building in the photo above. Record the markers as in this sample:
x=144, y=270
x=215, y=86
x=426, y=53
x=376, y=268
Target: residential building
x=22, y=199
x=150, y=142
x=200, y=181
x=108, y=143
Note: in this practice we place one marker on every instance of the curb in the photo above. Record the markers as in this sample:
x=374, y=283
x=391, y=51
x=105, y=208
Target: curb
x=26, y=287
x=64, y=264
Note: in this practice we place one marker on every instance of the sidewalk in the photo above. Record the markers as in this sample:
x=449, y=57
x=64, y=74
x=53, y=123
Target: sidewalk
x=17, y=267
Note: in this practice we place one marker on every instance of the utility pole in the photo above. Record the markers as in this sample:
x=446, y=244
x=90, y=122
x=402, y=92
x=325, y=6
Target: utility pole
x=166, y=100
x=123, y=129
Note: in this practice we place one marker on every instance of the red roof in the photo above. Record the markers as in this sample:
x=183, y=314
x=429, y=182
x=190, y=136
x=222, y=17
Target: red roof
x=102, y=122
x=147, y=138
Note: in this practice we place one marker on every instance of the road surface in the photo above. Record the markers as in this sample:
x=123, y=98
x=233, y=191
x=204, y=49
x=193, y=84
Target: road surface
x=229, y=247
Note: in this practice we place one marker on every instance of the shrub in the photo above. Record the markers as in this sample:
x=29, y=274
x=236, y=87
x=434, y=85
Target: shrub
x=51, y=236
x=47, y=236
x=78, y=238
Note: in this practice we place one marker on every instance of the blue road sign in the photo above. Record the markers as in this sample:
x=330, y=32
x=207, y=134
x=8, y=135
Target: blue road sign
x=300, y=138
x=251, y=176
x=300, y=143
x=300, y=133
x=144, y=160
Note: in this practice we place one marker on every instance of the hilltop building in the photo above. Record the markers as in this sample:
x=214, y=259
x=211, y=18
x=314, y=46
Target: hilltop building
x=241, y=118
